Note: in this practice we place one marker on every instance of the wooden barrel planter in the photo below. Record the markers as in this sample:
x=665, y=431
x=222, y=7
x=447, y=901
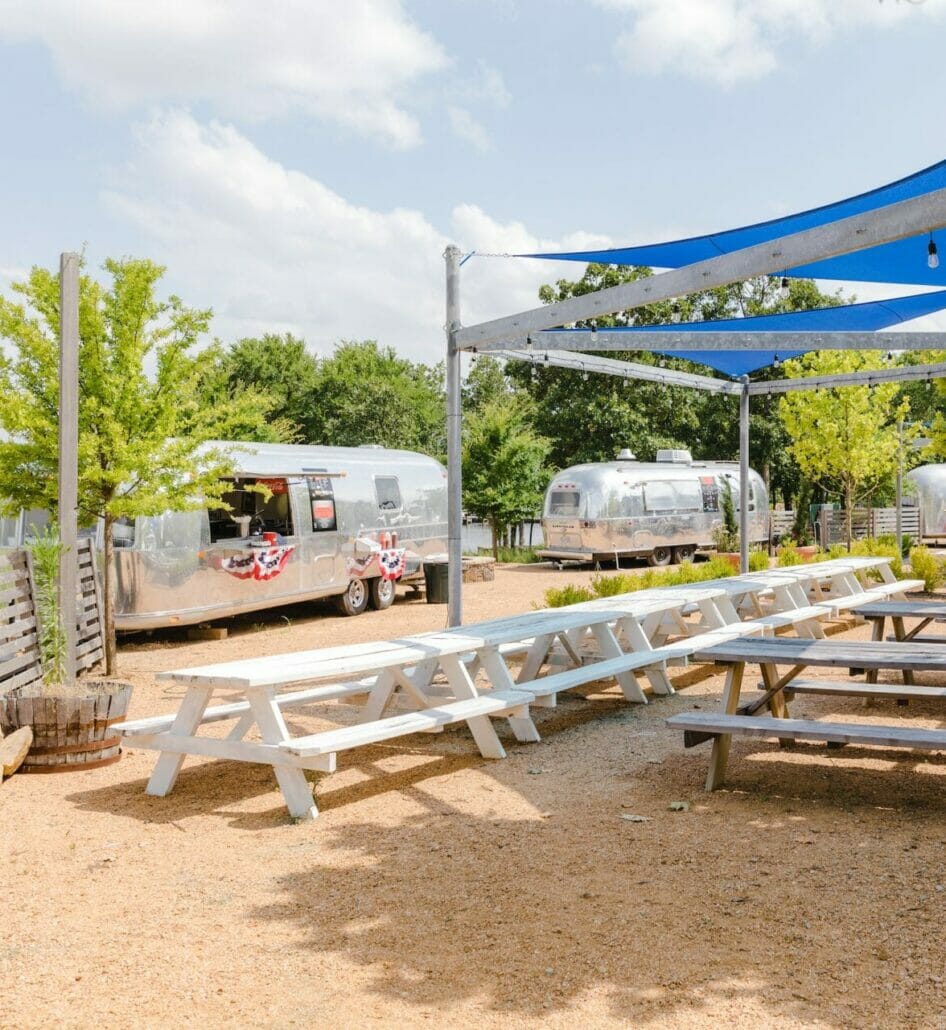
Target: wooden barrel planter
x=69, y=732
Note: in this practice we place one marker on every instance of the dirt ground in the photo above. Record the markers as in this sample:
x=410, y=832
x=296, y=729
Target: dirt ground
x=441, y=889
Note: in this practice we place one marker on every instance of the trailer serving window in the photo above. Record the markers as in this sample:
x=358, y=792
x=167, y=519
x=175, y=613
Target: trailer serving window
x=670, y=495
x=564, y=503
x=388, y=491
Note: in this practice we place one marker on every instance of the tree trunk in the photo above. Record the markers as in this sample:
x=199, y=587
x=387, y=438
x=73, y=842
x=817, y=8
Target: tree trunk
x=108, y=615
x=494, y=530
x=849, y=514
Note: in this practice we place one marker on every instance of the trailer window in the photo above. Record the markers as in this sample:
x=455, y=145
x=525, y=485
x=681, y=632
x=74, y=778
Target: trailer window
x=322, y=503
x=388, y=492
x=672, y=496
x=564, y=503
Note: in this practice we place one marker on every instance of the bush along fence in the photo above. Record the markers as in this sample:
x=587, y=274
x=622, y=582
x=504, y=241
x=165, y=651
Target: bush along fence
x=865, y=522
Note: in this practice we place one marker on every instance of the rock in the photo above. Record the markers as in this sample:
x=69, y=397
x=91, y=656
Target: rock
x=13, y=749
x=635, y=818
x=679, y=806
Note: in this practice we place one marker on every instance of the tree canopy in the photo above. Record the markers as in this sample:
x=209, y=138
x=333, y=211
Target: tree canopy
x=143, y=421
x=845, y=439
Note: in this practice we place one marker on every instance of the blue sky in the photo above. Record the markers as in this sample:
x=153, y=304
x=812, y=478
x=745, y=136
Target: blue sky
x=301, y=165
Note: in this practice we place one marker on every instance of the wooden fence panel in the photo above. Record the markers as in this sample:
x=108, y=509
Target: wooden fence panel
x=20, y=628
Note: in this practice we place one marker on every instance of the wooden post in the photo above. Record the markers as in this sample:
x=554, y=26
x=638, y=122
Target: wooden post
x=69, y=452
x=454, y=452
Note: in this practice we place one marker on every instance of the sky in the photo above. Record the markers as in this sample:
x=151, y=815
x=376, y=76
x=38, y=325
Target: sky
x=301, y=165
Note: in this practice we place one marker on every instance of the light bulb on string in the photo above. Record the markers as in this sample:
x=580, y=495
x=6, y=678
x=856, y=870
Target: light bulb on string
x=777, y=363
x=784, y=288
x=675, y=314
x=932, y=258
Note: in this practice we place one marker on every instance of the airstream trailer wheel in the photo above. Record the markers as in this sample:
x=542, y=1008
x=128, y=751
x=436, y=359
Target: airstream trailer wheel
x=382, y=592
x=659, y=556
x=355, y=599
x=684, y=553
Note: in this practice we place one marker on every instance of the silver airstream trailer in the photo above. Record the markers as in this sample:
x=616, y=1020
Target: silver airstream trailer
x=930, y=482
x=663, y=510
x=339, y=522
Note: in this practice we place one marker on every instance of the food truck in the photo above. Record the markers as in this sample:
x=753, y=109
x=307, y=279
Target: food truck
x=300, y=523
x=663, y=511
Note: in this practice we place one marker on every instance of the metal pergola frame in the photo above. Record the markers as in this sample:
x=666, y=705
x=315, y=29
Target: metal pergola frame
x=540, y=327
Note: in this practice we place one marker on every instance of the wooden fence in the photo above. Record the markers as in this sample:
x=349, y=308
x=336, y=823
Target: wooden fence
x=20, y=626
x=866, y=522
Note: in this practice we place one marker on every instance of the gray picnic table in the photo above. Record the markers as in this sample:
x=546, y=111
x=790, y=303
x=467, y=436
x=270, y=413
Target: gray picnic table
x=771, y=652
x=925, y=611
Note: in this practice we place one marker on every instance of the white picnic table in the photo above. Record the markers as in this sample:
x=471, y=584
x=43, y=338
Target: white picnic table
x=436, y=673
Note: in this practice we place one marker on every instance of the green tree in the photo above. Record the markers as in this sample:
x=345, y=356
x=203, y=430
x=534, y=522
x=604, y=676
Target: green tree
x=589, y=418
x=846, y=439
x=142, y=437
x=277, y=368
x=486, y=381
x=367, y=394
x=504, y=473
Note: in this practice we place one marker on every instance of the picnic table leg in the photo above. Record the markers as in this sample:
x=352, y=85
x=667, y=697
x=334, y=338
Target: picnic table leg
x=484, y=733
x=899, y=632
x=522, y=726
x=185, y=724
x=720, y=752
x=535, y=658
x=292, y=782
x=877, y=633
x=610, y=648
x=637, y=641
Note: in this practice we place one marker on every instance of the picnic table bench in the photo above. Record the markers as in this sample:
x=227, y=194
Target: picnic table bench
x=768, y=654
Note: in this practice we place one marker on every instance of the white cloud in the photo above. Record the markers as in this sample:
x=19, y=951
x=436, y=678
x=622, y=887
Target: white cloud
x=271, y=249
x=728, y=41
x=352, y=63
x=466, y=127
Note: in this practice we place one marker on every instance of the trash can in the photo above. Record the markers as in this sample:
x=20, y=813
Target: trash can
x=436, y=580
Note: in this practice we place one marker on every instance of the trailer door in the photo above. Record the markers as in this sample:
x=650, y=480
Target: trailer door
x=318, y=530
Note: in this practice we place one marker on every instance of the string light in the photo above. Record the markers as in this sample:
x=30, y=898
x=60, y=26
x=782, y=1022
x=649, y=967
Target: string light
x=675, y=314
x=584, y=373
x=777, y=363
x=784, y=288
x=932, y=258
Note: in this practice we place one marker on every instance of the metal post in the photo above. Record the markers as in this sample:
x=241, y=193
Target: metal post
x=69, y=452
x=454, y=453
x=744, y=476
x=900, y=487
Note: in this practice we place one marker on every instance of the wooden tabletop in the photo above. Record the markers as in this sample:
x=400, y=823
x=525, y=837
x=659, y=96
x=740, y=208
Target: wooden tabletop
x=853, y=654
x=902, y=609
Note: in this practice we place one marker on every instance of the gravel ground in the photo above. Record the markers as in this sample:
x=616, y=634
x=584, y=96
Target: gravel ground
x=440, y=889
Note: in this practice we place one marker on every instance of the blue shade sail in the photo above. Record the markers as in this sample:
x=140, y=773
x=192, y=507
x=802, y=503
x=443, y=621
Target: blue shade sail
x=903, y=261
x=866, y=317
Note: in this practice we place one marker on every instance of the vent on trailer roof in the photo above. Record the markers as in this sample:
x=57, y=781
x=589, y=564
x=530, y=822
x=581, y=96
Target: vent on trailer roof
x=675, y=457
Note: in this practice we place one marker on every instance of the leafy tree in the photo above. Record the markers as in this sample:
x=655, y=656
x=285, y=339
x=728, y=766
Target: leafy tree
x=278, y=368
x=845, y=438
x=486, y=381
x=504, y=473
x=141, y=436
x=367, y=394
x=588, y=417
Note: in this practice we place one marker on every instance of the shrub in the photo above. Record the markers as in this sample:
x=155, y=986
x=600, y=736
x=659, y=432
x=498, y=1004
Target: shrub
x=559, y=597
x=758, y=560
x=47, y=551
x=788, y=555
x=514, y=555
x=879, y=547
x=928, y=567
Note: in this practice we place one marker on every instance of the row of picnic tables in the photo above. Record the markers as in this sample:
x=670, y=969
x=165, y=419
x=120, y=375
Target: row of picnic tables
x=425, y=682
